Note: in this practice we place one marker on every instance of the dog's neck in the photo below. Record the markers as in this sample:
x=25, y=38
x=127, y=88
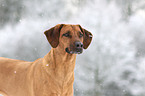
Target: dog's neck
x=59, y=67
x=59, y=63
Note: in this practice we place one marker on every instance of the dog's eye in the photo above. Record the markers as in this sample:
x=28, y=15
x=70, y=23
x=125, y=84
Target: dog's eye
x=66, y=35
x=81, y=35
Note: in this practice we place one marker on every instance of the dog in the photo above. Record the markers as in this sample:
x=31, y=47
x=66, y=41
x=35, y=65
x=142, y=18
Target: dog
x=52, y=75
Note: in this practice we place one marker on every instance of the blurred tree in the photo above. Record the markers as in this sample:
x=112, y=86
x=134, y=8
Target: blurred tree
x=10, y=11
x=126, y=6
x=129, y=7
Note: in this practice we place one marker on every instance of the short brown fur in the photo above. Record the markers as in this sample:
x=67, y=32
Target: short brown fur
x=52, y=75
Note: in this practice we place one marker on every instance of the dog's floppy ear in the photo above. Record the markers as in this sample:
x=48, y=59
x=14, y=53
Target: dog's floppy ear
x=87, y=37
x=53, y=35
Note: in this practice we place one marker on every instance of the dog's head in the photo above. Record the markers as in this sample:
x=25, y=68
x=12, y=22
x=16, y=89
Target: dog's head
x=72, y=38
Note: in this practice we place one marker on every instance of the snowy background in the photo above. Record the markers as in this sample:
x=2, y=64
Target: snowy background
x=113, y=65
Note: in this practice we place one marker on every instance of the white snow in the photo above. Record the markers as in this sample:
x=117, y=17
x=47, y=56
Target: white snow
x=15, y=72
x=47, y=64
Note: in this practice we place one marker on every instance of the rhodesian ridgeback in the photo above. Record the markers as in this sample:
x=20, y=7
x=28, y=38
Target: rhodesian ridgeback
x=52, y=75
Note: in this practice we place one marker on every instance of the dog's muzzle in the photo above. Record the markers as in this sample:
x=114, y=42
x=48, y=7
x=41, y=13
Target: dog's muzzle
x=77, y=49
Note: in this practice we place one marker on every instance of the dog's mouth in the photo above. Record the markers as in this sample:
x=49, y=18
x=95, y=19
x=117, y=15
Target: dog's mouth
x=75, y=51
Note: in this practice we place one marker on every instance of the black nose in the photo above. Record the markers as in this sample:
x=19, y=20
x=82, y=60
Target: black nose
x=78, y=44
